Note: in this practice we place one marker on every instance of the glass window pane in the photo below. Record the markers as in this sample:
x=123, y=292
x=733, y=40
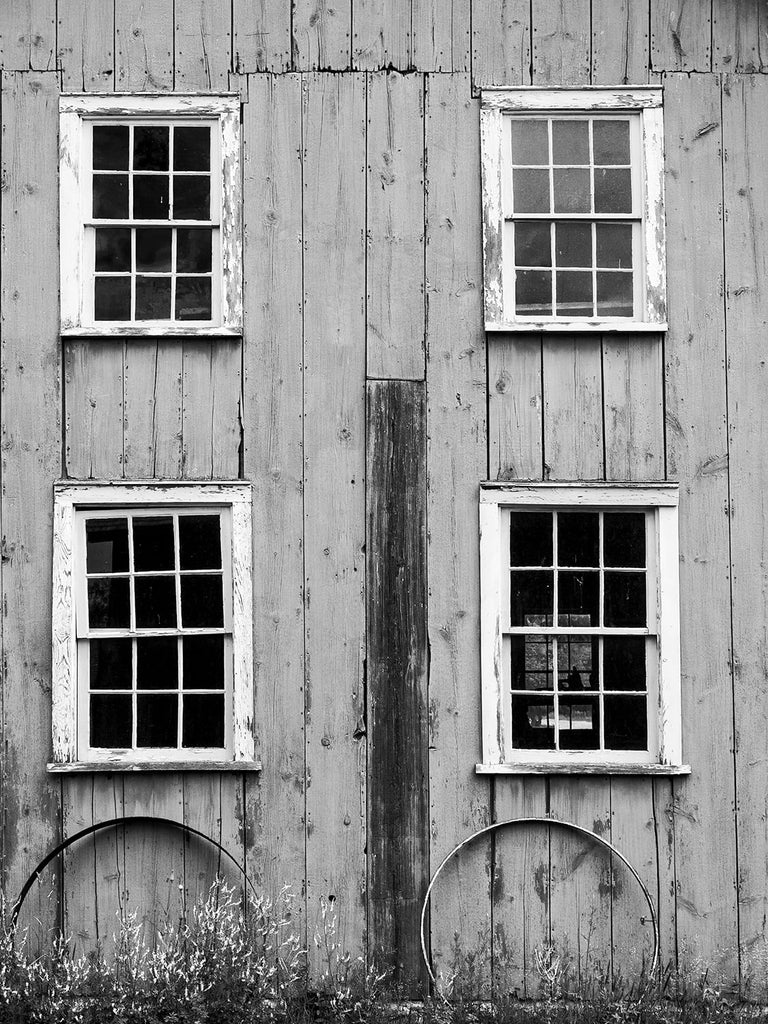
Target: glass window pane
x=533, y=292
x=574, y=293
x=573, y=245
x=191, y=197
x=530, y=598
x=531, y=190
x=202, y=601
x=110, y=663
x=614, y=245
x=625, y=599
x=613, y=190
x=155, y=602
x=626, y=723
x=150, y=148
x=106, y=543
x=157, y=663
x=109, y=605
x=112, y=298
x=530, y=538
x=578, y=538
x=153, y=249
x=111, y=720
x=531, y=662
x=614, y=293
x=624, y=663
x=533, y=247
x=577, y=663
x=200, y=542
x=110, y=147
x=204, y=662
x=113, y=249
x=157, y=720
x=150, y=197
x=193, y=250
x=611, y=141
x=571, y=185
x=579, y=598
x=153, y=298
x=153, y=544
x=193, y=298
x=110, y=196
x=203, y=720
x=530, y=141
x=533, y=722
x=192, y=149
x=624, y=539
x=579, y=723
x=570, y=142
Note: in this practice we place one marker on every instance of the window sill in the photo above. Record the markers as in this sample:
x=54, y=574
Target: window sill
x=582, y=768
x=81, y=767
x=138, y=331
x=574, y=327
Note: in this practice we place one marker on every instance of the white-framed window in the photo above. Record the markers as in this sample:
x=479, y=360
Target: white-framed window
x=573, y=209
x=150, y=210
x=152, y=626
x=580, y=624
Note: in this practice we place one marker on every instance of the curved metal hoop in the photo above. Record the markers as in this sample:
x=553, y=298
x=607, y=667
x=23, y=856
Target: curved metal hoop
x=136, y=819
x=538, y=821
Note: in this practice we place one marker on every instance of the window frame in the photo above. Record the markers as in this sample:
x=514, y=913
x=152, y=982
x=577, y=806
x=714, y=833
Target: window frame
x=76, y=113
x=661, y=501
x=644, y=103
x=70, y=501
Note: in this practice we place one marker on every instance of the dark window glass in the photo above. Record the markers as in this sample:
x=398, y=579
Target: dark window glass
x=577, y=663
x=204, y=662
x=531, y=662
x=110, y=196
x=106, y=543
x=110, y=663
x=150, y=197
x=624, y=663
x=578, y=539
x=614, y=293
x=614, y=246
x=530, y=538
x=109, y=605
x=153, y=298
x=533, y=292
x=157, y=663
x=579, y=723
x=613, y=190
x=157, y=720
x=193, y=298
x=625, y=599
x=155, y=601
x=611, y=141
x=571, y=187
x=579, y=598
x=531, y=598
x=570, y=142
x=530, y=141
x=573, y=244
x=193, y=250
x=201, y=601
x=532, y=244
x=191, y=197
x=531, y=190
x=113, y=249
x=111, y=720
x=153, y=544
x=110, y=147
x=153, y=249
x=574, y=293
x=533, y=722
x=192, y=149
x=112, y=298
x=626, y=723
x=150, y=148
x=200, y=542
x=624, y=539
x=203, y=720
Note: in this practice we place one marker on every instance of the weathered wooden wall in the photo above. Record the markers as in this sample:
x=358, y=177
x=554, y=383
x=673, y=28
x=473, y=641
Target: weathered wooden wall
x=366, y=403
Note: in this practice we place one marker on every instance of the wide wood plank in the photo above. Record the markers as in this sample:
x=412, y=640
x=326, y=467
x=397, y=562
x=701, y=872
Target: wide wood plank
x=334, y=500
x=153, y=385
x=143, y=45
x=262, y=35
x=210, y=417
x=93, y=403
x=560, y=42
x=28, y=35
x=322, y=35
x=395, y=229
x=680, y=36
x=620, y=42
x=213, y=804
x=202, y=44
x=573, y=410
x=86, y=50
x=515, y=436
x=633, y=396
x=501, y=43
x=442, y=40
x=739, y=36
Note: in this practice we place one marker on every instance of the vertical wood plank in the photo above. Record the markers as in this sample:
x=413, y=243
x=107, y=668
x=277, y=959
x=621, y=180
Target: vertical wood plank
x=441, y=35
x=210, y=420
x=697, y=454
x=515, y=437
x=212, y=803
x=561, y=42
x=322, y=35
x=334, y=502
x=456, y=462
x=153, y=376
x=680, y=36
x=28, y=35
x=144, y=45
x=740, y=36
x=273, y=459
x=382, y=36
x=573, y=412
x=395, y=229
x=30, y=425
x=202, y=44
x=261, y=35
x=93, y=401
x=633, y=396
x=501, y=43
x=86, y=50
x=620, y=42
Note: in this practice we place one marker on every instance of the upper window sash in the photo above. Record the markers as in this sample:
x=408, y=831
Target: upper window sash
x=642, y=108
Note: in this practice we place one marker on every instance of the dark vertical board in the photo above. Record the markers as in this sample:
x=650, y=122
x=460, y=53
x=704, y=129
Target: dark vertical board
x=501, y=43
x=398, y=733
x=620, y=42
x=697, y=454
x=382, y=36
x=456, y=463
x=334, y=499
x=202, y=44
x=515, y=438
x=261, y=35
x=322, y=35
x=210, y=415
x=680, y=35
x=441, y=35
x=30, y=424
x=273, y=458
x=395, y=227
x=28, y=35
x=740, y=36
x=93, y=403
x=143, y=45
x=86, y=51
x=560, y=41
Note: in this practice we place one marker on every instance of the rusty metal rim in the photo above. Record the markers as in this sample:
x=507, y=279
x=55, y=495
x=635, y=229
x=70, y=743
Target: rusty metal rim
x=537, y=821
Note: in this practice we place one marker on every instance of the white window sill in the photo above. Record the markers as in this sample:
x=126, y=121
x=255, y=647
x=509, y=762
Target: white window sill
x=575, y=326
x=80, y=767
x=582, y=768
x=142, y=331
